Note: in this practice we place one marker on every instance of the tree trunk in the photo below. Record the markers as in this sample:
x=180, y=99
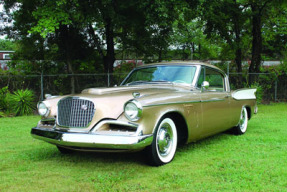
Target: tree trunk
x=238, y=60
x=96, y=40
x=183, y=53
x=256, y=44
x=109, y=59
x=238, y=52
x=192, y=51
x=160, y=55
x=199, y=51
x=71, y=71
x=68, y=51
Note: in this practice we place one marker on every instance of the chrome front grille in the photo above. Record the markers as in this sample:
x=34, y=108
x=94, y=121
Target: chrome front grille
x=75, y=112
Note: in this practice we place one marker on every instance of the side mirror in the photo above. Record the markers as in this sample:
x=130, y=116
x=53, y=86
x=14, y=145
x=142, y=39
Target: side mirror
x=204, y=86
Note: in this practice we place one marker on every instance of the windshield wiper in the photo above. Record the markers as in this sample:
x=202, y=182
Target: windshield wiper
x=137, y=82
x=161, y=81
x=148, y=82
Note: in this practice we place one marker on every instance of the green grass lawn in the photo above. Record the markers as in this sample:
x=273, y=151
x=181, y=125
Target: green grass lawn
x=256, y=161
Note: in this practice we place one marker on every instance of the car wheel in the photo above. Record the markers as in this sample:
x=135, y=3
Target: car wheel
x=64, y=150
x=163, y=147
x=242, y=124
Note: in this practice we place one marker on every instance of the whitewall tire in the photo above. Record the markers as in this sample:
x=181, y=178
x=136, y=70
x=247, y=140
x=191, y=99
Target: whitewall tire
x=241, y=128
x=163, y=147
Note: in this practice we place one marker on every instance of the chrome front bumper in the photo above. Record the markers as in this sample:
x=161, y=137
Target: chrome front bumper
x=91, y=141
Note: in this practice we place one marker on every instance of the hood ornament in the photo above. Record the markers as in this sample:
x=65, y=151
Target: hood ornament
x=136, y=94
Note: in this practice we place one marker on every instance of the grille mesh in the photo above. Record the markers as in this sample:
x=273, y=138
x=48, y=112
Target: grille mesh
x=75, y=112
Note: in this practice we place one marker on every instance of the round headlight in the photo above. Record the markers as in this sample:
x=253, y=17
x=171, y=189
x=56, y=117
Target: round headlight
x=43, y=110
x=133, y=110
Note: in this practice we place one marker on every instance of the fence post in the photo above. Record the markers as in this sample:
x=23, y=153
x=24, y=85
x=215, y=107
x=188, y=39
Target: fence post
x=275, y=90
x=108, y=79
x=42, y=87
x=228, y=70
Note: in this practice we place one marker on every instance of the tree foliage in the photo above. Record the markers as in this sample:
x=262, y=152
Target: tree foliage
x=7, y=45
x=227, y=19
x=90, y=35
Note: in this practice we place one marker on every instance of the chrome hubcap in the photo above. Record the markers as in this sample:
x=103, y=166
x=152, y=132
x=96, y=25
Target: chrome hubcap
x=164, y=139
x=243, y=120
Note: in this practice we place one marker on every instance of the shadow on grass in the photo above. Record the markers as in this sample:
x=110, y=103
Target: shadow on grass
x=49, y=153
x=223, y=140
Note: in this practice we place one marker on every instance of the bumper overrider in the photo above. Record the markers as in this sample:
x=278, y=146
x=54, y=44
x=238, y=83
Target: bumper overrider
x=91, y=140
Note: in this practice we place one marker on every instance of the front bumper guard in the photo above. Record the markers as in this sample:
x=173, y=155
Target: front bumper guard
x=91, y=140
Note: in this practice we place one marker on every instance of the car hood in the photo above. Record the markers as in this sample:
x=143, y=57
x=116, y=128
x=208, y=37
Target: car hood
x=115, y=91
x=110, y=101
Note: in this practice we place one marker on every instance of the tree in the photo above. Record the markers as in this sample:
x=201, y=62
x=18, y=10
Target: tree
x=187, y=31
x=160, y=17
x=260, y=14
x=7, y=45
x=226, y=18
x=275, y=34
x=106, y=23
x=74, y=30
x=189, y=39
x=258, y=8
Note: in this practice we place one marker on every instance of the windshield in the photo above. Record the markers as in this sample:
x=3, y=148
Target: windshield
x=156, y=74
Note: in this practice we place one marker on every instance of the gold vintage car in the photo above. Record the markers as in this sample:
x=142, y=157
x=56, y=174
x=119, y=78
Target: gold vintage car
x=155, y=108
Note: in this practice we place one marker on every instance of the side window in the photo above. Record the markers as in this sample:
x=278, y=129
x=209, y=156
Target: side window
x=215, y=79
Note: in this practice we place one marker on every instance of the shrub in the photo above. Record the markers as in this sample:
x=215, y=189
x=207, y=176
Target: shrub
x=259, y=92
x=21, y=102
x=2, y=114
x=3, y=104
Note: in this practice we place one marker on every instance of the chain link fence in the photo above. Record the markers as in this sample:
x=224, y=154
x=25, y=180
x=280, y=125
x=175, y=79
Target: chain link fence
x=60, y=84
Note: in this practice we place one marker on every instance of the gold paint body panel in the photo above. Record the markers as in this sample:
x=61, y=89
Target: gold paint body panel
x=205, y=112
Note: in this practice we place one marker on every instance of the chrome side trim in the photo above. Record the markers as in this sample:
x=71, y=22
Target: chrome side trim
x=212, y=100
x=184, y=102
x=91, y=141
x=172, y=103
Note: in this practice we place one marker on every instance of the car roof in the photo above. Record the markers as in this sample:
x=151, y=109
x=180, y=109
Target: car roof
x=182, y=63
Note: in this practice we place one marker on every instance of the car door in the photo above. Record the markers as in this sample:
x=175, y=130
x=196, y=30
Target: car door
x=215, y=102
